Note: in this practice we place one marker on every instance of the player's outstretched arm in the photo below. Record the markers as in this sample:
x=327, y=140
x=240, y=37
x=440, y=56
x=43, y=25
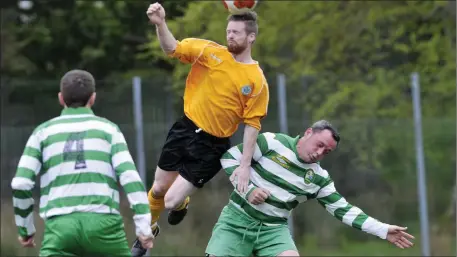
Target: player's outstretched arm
x=22, y=184
x=351, y=215
x=188, y=50
x=130, y=180
x=156, y=14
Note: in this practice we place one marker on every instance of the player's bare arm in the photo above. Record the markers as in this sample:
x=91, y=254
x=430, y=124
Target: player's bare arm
x=242, y=172
x=156, y=15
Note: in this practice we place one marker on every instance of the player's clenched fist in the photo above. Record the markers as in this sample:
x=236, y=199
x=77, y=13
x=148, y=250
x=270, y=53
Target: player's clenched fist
x=156, y=13
x=258, y=196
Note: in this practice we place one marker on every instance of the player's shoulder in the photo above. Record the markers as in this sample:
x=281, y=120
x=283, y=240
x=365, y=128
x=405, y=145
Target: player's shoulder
x=38, y=129
x=268, y=135
x=49, y=123
x=204, y=43
x=259, y=77
x=282, y=136
x=107, y=122
x=275, y=138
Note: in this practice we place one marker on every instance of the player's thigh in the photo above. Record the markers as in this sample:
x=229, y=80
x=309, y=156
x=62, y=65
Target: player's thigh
x=173, y=150
x=163, y=180
x=62, y=236
x=229, y=236
x=171, y=157
x=177, y=193
x=273, y=241
x=203, y=162
x=104, y=235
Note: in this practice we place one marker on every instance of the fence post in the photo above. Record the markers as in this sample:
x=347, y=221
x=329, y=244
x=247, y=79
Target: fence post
x=283, y=123
x=138, y=116
x=421, y=187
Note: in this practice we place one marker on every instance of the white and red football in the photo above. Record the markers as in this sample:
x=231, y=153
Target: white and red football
x=239, y=6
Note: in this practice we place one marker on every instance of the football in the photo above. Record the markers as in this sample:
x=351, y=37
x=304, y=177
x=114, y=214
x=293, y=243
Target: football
x=239, y=6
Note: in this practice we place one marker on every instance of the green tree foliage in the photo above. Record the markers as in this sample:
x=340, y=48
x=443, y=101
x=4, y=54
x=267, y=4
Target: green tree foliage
x=54, y=36
x=360, y=55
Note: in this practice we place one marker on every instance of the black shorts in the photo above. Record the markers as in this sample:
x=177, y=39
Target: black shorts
x=194, y=153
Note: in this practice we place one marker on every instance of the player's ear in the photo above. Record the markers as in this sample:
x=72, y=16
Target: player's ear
x=251, y=38
x=92, y=99
x=308, y=132
x=61, y=101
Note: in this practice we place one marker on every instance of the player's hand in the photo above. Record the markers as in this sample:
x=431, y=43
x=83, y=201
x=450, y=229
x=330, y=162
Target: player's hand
x=242, y=175
x=146, y=241
x=156, y=13
x=27, y=241
x=258, y=196
x=397, y=236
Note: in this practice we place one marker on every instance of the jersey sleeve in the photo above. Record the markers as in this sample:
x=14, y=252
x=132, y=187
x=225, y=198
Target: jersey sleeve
x=130, y=181
x=22, y=184
x=189, y=50
x=232, y=159
x=256, y=106
x=350, y=215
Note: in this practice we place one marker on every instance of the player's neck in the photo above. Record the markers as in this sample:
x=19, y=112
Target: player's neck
x=244, y=57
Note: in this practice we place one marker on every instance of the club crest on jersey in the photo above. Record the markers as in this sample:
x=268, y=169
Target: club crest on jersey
x=309, y=176
x=246, y=90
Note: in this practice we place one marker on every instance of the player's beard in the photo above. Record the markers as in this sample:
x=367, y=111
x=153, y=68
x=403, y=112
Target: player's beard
x=236, y=48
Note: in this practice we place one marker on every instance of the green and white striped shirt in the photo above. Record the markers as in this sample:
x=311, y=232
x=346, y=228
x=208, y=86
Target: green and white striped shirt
x=80, y=158
x=277, y=168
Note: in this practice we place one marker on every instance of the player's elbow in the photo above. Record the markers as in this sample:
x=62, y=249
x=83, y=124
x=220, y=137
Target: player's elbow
x=169, y=48
x=169, y=52
x=22, y=184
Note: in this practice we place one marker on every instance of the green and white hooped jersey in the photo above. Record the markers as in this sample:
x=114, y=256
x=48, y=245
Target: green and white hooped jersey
x=277, y=168
x=80, y=159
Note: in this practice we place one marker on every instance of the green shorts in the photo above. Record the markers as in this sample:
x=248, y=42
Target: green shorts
x=237, y=234
x=85, y=234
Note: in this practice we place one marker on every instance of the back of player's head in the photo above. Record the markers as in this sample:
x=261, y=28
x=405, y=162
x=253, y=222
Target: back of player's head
x=322, y=125
x=249, y=19
x=77, y=87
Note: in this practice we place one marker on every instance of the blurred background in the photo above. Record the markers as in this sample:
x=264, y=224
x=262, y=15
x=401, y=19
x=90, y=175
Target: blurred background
x=348, y=62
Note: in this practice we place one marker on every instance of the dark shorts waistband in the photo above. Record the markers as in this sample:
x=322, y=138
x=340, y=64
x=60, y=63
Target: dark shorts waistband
x=190, y=124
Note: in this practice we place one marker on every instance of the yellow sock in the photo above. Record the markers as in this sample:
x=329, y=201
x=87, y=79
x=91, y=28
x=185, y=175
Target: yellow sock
x=156, y=206
x=183, y=204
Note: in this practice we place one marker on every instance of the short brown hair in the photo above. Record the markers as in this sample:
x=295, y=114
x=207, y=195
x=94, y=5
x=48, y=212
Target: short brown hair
x=322, y=125
x=77, y=86
x=250, y=21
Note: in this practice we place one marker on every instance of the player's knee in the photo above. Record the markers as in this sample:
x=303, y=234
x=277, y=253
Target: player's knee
x=162, y=181
x=289, y=253
x=159, y=189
